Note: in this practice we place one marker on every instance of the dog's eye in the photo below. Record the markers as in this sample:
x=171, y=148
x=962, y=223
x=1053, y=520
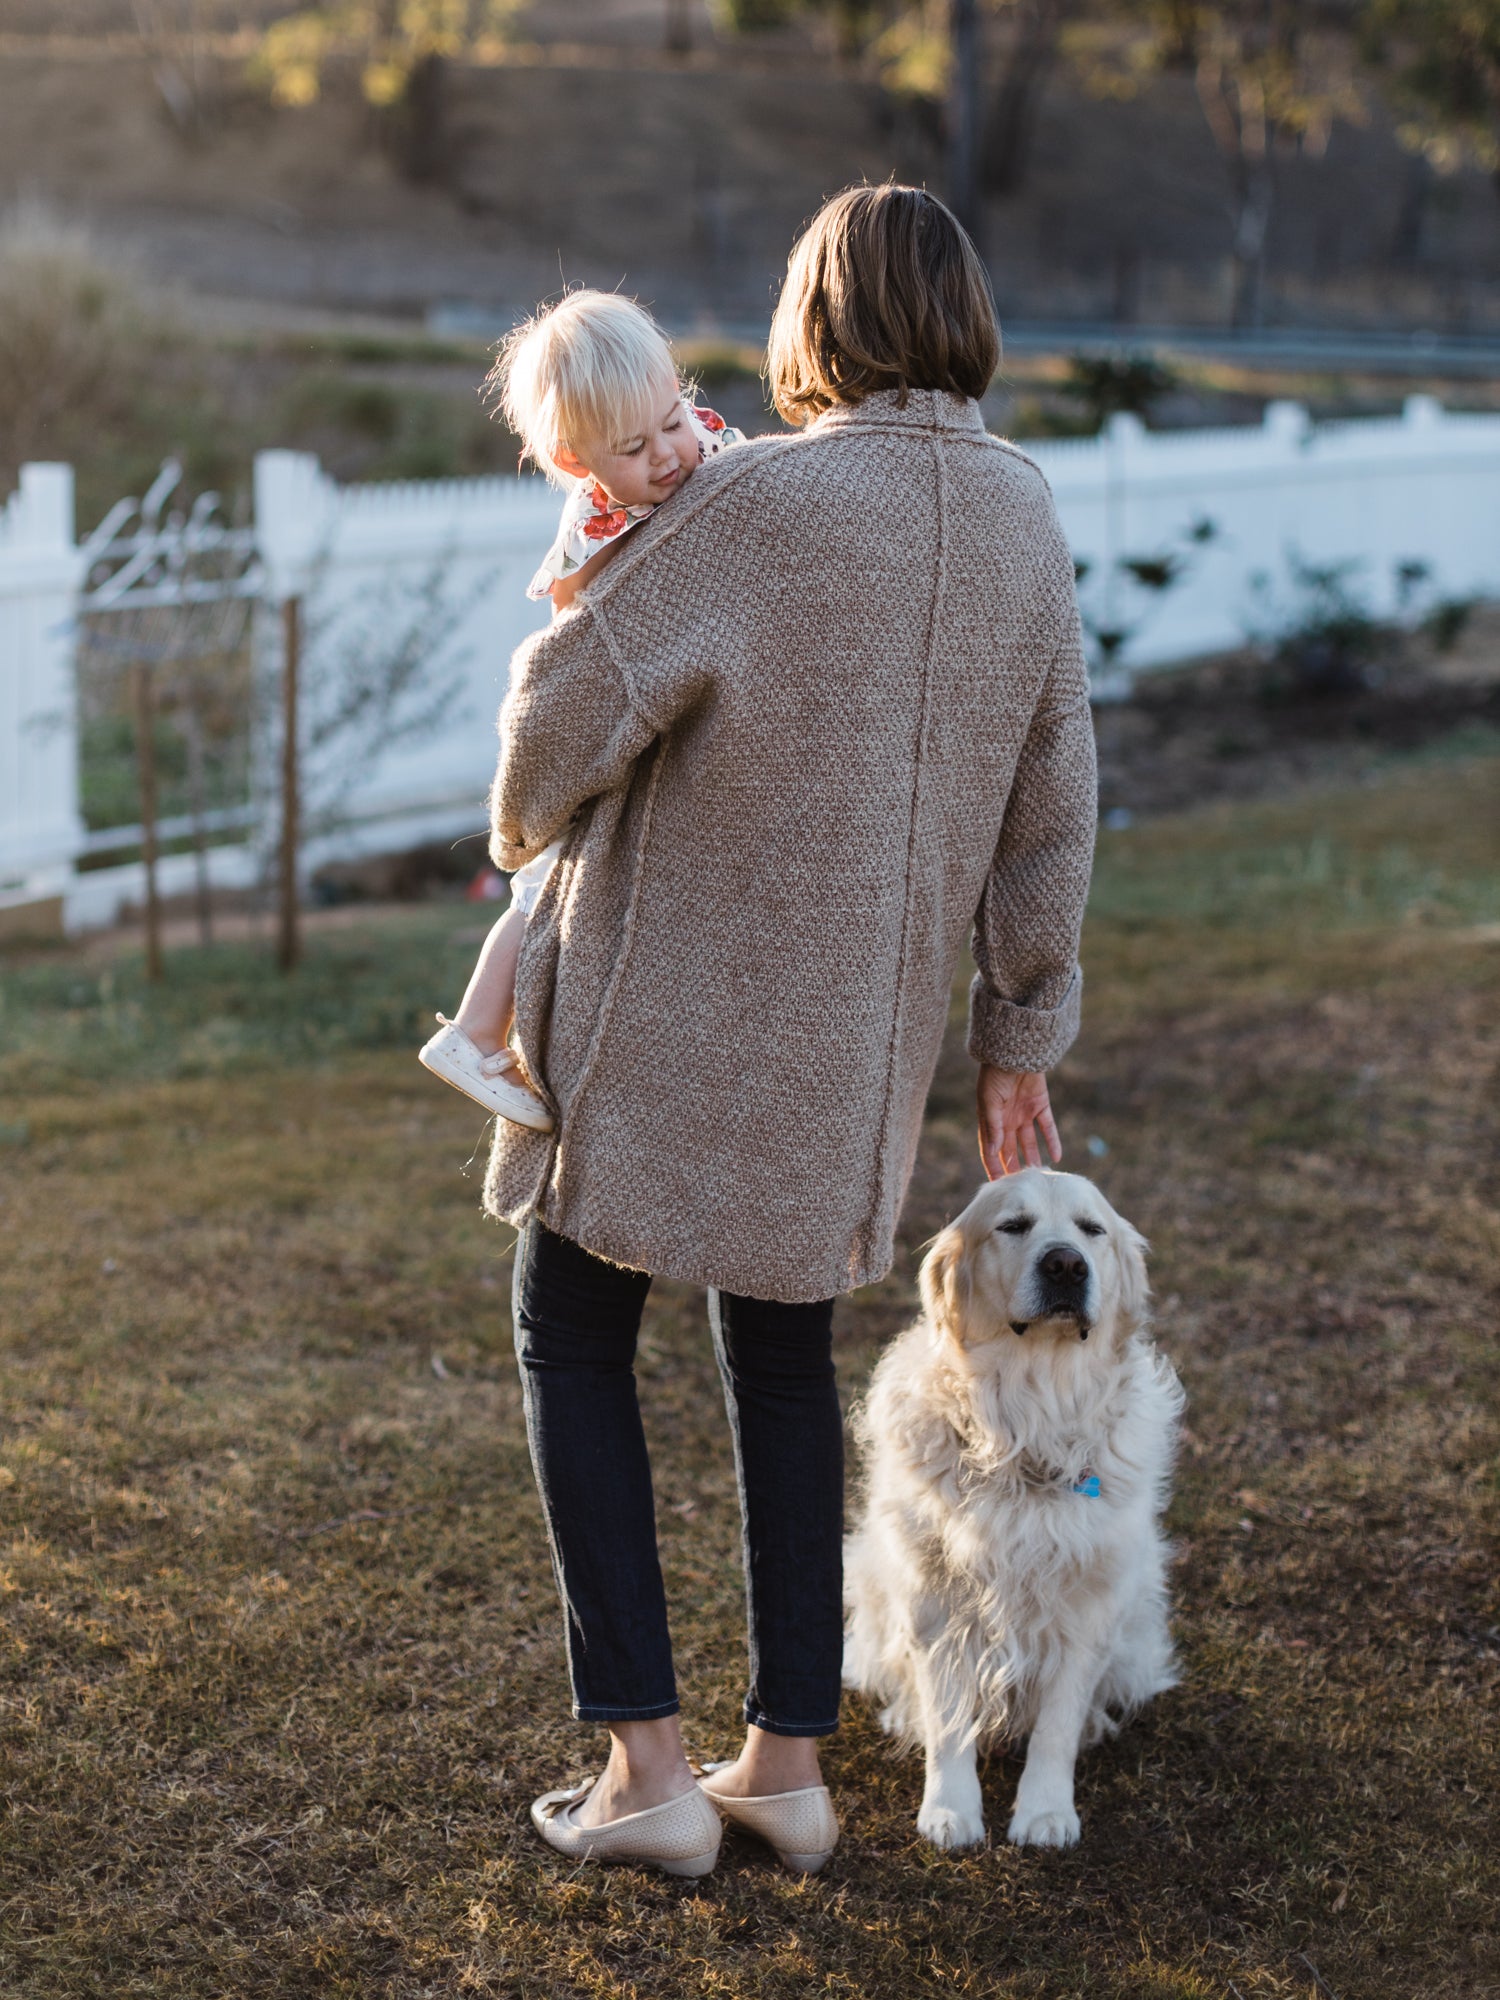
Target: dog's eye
x=1016, y=1225
x=1091, y=1228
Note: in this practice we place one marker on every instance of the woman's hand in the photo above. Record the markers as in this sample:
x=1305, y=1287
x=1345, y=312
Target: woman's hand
x=1012, y=1104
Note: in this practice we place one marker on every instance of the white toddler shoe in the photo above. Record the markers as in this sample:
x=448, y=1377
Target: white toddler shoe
x=452, y=1056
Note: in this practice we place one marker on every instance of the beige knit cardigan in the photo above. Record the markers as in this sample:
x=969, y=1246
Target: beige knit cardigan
x=825, y=714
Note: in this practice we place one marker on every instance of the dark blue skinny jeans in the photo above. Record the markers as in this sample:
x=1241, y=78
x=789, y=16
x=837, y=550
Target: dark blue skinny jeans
x=576, y=1320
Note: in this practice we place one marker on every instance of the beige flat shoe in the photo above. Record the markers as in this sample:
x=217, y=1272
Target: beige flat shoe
x=681, y=1837
x=802, y=1826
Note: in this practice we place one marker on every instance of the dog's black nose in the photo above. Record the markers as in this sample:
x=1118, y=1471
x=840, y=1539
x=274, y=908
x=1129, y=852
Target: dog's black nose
x=1064, y=1266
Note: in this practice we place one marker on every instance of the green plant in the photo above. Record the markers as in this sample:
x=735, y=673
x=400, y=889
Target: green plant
x=1320, y=637
x=1157, y=573
x=1105, y=384
x=1448, y=620
x=366, y=428
x=388, y=43
x=1441, y=63
x=1034, y=418
x=1412, y=578
x=371, y=409
x=1110, y=625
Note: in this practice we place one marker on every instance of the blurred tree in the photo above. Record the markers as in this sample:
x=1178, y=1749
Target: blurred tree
x=1267, y=72
x=916, y=52
x=907, y=43
x=424, y=135
x=857, y=23
x=1106, y=384
x=1440, y=60
x=178, y=37
x=963, y=114
x=747, y=15
x=929, y=53
x=1031, y=53
x=390, y=40
x=911, y=46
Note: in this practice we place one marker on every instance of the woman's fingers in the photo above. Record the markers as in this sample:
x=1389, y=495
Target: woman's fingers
x=1012, y=1105
x=1016, y=1127
x=992, y=1098
x=1050, y=1134
x=1048, y=1124
x=1012, y=1108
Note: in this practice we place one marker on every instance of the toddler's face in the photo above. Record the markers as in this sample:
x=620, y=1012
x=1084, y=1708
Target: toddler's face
x=641, y=470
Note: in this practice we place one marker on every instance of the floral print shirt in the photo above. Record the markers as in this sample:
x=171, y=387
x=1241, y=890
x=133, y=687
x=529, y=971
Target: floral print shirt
x=590, y=519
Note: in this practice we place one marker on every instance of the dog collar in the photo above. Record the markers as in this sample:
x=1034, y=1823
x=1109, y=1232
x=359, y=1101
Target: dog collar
x=1088, y=1485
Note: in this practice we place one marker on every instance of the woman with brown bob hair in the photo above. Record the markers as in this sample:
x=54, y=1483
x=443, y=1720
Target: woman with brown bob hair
x=884, y=291
x=823, y=722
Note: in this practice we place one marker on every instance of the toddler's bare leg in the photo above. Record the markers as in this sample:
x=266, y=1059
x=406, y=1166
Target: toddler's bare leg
x=489, y=1003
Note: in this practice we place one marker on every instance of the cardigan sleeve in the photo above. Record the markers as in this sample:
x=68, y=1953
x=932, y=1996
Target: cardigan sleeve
x=1025, y=998
x=570, y=728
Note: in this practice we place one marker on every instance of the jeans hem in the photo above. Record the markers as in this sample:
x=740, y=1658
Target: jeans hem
x=594, y=1711
x=773, y=1728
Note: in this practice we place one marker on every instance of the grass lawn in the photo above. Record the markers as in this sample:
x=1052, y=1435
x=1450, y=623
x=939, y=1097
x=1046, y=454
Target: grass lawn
x=282, y=1667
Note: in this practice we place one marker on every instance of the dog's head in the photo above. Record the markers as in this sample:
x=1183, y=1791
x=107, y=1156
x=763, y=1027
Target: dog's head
x=1040, y=1256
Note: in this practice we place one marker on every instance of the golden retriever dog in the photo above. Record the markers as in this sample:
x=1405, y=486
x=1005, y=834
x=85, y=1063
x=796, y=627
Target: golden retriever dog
x=1008, y=1575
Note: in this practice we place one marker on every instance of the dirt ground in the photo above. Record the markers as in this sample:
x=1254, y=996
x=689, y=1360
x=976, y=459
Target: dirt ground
x=281, y=1664
x=1237, y=727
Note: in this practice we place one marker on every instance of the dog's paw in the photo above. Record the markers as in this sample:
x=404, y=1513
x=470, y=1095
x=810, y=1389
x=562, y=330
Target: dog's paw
x=1057, y=1827
x=946, y=1826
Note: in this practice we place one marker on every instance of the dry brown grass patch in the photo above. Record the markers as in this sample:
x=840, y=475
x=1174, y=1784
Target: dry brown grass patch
x=282, y=1666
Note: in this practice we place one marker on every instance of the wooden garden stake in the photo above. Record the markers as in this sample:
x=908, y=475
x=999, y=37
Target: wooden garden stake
x=145, y=758
x=289, y=940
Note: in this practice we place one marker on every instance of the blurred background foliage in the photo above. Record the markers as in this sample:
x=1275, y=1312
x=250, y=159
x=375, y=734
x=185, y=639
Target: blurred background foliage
x=230, y=224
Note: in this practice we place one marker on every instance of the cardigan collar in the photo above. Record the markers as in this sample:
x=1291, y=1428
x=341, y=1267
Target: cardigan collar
x=925, y=410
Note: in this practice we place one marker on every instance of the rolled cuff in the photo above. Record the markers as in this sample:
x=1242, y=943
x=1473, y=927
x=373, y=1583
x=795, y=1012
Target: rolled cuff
x=758, y=1719
x=512, y=855
x=1009, y=1036
x=594, y=1711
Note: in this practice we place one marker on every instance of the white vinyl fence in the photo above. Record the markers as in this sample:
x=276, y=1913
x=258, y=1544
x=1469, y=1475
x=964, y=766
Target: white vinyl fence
x=367, y=561
x=1420, y=488
x=1221, y=507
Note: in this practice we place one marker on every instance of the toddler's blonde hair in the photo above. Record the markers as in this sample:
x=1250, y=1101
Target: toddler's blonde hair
x=581, y=372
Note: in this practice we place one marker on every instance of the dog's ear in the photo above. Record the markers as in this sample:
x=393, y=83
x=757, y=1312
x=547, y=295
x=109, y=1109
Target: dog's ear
x=944, y=1280
x=1135, y=1286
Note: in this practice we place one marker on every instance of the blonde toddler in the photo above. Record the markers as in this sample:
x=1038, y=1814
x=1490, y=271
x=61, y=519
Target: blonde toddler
x=592, y=391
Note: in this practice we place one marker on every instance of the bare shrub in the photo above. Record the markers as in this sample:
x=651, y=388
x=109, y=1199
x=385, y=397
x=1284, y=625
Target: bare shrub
x=77, y=330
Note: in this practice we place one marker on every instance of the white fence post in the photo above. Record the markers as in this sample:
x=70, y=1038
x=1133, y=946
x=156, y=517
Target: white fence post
x=41, y=828
x=295, y=506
